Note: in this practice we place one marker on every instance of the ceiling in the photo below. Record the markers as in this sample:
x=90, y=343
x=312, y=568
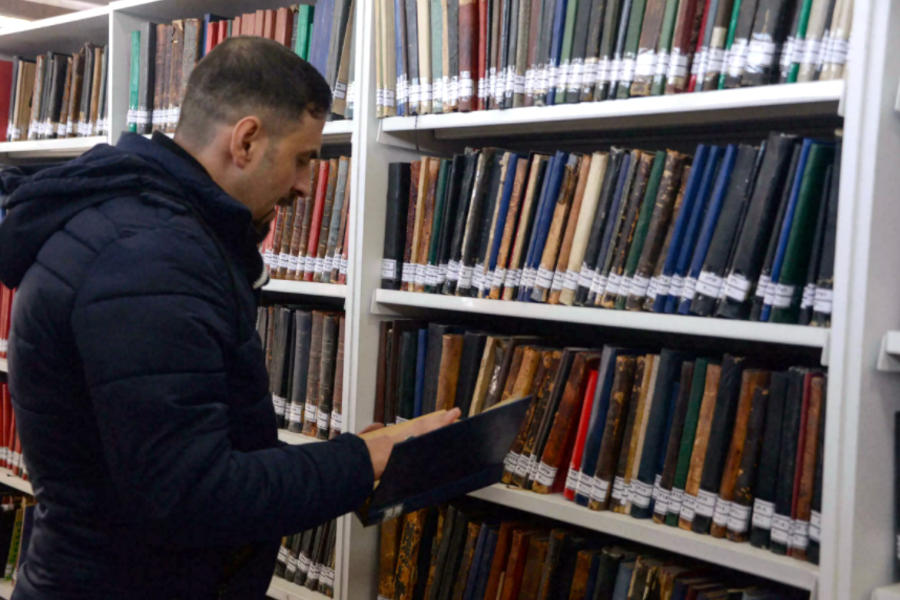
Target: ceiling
x=31, y=10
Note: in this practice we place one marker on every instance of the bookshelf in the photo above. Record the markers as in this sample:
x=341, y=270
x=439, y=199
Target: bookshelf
x=857, y=527
x=8, y=479
x=295, y=439
x=6, y=589
x=281, y=589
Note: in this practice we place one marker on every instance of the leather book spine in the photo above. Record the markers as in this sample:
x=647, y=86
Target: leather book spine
x=532, y=63
x=408, y=268
x=538, y=547
x=311, y=403
x=736, y=56
x=666, y=35
x=645, y=61
x=509, y=229
x=486, y=366
x=815, y=513
x=634, y=424
x=767, y=470
x=175, y=57
x=499, y=191
x=628, y=370
x=591, y=52
x=473, y=345
x=715, y=58
x=582, y=574
x=701, y=441
x=327, y=209
x=432, y=365
x=315, y=223
x=450, y=218
x=661, y=506
x=547, y=371
x=573, y=83
x=454, y=254
x=410, y=539
x=584, y=226
x=648, y=440
x=515, y=567
x=660, y=282
x=509, y=379
x=40, y=67
x=470, y=239
x=337, y=215
x=438, y=33
x=412, y=56
x=742, y=503
x=326, y=375
x=448, y=374
x=562, y=205
x=527, y=217
x=555, y=548
x=732, y=395
x=388, y=547
x=468, y=52
x=765, y=41
x=565, y=248
x=608, y=62
x=791, y=430
x=449, y=525
x=800, y=528
x=336, y=426
x=519, y=64
x=499, y=560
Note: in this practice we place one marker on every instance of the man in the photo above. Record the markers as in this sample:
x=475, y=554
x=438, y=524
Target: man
x=137, y=377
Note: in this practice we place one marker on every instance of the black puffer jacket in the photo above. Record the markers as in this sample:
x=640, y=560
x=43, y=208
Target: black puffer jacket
x=140, y=390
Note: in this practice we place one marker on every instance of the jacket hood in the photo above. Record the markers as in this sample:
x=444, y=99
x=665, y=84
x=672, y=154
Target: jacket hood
x=40, y=203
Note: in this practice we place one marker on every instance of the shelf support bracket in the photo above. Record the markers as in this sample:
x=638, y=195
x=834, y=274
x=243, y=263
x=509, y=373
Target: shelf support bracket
x=889, y=353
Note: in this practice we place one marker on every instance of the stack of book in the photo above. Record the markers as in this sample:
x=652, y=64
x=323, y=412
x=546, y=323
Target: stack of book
x=741, y=231
x=56, y=95
x=444, y=55
x=10, y=444
x=305, y=360
x=307, y=558
x=6, y=302
x=462, y=550
x=163, y=55
x=16, y=521
x=308, y=241
x=725, y=445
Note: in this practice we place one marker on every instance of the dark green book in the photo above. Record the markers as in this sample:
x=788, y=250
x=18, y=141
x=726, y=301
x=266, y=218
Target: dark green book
x=575, y=81
x=565, y=51
x=666, y=36
x=686, y=444
x=439, y=224
x=808, y=297
x=606, y=49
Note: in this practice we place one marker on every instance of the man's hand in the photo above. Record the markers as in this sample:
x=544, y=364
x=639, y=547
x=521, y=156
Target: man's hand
x=380, y=440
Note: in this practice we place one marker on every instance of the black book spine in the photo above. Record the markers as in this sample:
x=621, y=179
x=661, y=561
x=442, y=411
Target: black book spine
x=472, y=232
x=784, y=485
x=429, y=529
x=487, y=218
x=572, y=93
x=767, y=470
x=825, y=277
x=395, y=225
x=299, y=369
x=739, y=522
x=710, y=281
x=765, y=39
x=719, y=441
x=448, y=220
x=462, y=218
x=804, y=316
x=592, y=50
x=815, y=518
x=432, y=365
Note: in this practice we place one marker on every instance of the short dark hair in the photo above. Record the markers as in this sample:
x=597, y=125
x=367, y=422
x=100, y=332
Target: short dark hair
x=251, y=75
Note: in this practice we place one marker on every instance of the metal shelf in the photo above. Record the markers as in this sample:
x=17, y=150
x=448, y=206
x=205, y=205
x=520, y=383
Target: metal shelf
x=63, y=147
x=64, y=33
x=8, y=479
x=306, y=288
x=281, y=589
x=739, y=556
x=289, y=437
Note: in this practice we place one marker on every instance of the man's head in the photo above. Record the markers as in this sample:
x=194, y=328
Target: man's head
x=252, y=115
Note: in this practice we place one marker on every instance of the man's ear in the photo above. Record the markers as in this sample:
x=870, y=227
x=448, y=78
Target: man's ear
x=246, y=141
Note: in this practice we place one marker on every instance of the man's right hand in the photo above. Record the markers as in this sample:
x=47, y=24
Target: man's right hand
x=381, y=440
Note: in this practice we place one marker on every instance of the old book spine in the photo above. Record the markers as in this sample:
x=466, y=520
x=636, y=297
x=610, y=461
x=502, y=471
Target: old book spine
x=563, y=204
x=410, y=539
x=336, y=426
x=305, y=226
x=421, y=189
x=310, y=409
x=325, y=222
x=524, y=227
x=389, y=544
x=666, y=35
x=282, y=243
x=565, y=249
x=764, y=43
x=449, y=371
x=526, y=373
x=701, y=439
x=742, y=503
x=513, y=372
x=807, y=467
x=535, y=9
x=791, y=439
x=836, y=51
x=315, y=223
x=645, y=61
x=627, y=472
x=676, y=431
x=549, y=365
x=326, y=375
x=661, y=282
x=509, y=229
x=468, y=554
x=427, y=223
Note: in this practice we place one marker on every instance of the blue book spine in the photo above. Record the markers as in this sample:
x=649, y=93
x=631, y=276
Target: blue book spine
x=484, y=571
x=321, y=35
x=785, y=232
x=421, y=346
x=503, y=210
x=542, y=228
x=477, y=556
x=612, y=219
x=690, y=194
x=690, y=233
x=591, y=452
x=399, y=53
x=524, y=291
x=709, y=227
x=559, y=25
x=623, y=580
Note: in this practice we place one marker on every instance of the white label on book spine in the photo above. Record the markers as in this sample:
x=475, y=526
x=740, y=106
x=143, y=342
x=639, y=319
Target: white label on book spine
x=799, y=534
x=645, y=65
x=491, y=90
x=576, y=77
x=571, y=479
x=613, y=283
x=530, y=80
x=638, y=286
x=811, y=49
x=528, y=276
x=615, y=70
x=415, y=93
x=589, y=74
x=323, y=418
x=599, y=489
x=523, y=465
x=553, y=73
x=282, y=554
x=510, y=462
x=762, y=286
x=706, y=503
x=662, y=65
x=788, y=50
x=598, y=285
x=533, y=463
x=584, y=485
x=478, y=276
x=586, y=277
x=784, y=294
x=737, y=287
x=628, y=66
x=326, y=576
x=425, y=93
x=688, y=288
x=452, y=90
x=402, y=89
x=482, y=88
x=688, y=507
x=465, y=277
x=389, y=269
x=602, y=72
x=419, y=278
x=809, y=296
x=722, y=512
x=557, y=281
x=309, y=413
x=815, y=526
x=327, y=264
x=544, y=278
x=678, y=64
x=278, y=403
x=570, y=280
x=284, y=260
x=513, y=277
x=763, y=511
x=498, y=277
x=337, y=422
x=675, y=499
x=716, y=60
x=641, y=493
x=303, y=563
x=519, y=84
x=760, y=53
x=676, y=286
x=659, y=285
x=431, y=274
x=738, y=518
x=781, y=529
x=545, y=474
x=661, y=501
x=342, y=267
x=295, y=413
x=453, y=270
x=619, y=488
x=838, y=51
x=709, y=284
x=823, y=300
x=737, y=57
x=438, y=96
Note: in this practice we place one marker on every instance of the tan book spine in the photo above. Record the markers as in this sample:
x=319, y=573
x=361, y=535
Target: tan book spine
x=515, y=455
x=448, y=372
x=36, y=92
x=751, y=379
x=407, y=557
x=524, y=378
x=701, y=440
x=78, y=60
x=514, y=271
x=585, y=221
x=422, y=193
x=513, y=373
x=339, y=93
x=388, y=547
x=815, y=31
x=547, y=265
x=488, y=358
x=509, y=228
x=815, y=413
x=565, y=249
x=636, y=442
x=426, y=232
x=308, y=205
x=423, y=14
x=582, y=574
x=550, y=363
x=176, y=58
x=836, y=58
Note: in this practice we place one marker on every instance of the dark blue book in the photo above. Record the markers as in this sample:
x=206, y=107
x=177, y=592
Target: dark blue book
x=785, y=232
x=597, y=422
x=321, y=35
x=400, y=53
x=502, y=211
x=593, y=573
x=475, y=567
x=544, y=217
x=623, y=580
x=559, y=25
x=484, y=565
x=691, y=194
x=710, y=219
x=421, y=347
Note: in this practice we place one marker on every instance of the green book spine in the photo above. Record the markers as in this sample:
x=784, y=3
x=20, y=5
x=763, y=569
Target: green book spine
x=687, y=441
x=134, y=80
x=629, y=56
x=565, y=54
x=640, y=230
x=665, y=46
x=434, y=245
x=799, y=246
x=729, y=40
x=304, y=12
x=800, y=36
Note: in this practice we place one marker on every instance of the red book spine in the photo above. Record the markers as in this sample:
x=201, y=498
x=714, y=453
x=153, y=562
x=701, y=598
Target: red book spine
x=482, y=53
x=468, y=28
x=222, y=33
x=801, y=443
x=211, y=30
x=5, y=412
x=697, y=50
x=312, y=246
x=6, y=83
x=581, y=436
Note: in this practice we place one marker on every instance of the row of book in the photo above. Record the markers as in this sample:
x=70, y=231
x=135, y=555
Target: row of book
x=162, y=56
x=305, y=360
x=444, y=55
x=742, y=231
x=724, y=445
x=16, y=523
x=55, y=95
x=463, y=550
x=307, y=558
x=10, y=444
x=6, y=302
x=308, y=241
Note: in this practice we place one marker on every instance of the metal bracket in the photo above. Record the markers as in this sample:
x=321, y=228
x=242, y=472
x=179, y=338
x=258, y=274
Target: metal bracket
x=889, y=353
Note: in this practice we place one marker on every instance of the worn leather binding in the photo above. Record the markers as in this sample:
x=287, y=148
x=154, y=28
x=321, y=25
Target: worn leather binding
x=651, y=28
x=701, y=442
x=742, y=502
x=673, y=446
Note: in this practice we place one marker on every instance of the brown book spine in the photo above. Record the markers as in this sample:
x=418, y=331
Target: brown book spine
x=75, y=93
x=582, y=574
x=37, y=92
x=531, y=577
x=550, y=363
x=424, y=241
x=515, y=457
x=622, y=502
x=174, y=86
x=388, y=547
x=326, y=375
x=407, y=557
x=421, y=188
x=287, y=235
x=684, y=40
x=739, y=522
x=500, y=559
x=483, y=380
x=716, y=53
x=565, y=249
x=701, y=440
x=468, y=34
x=312, y=378
x=339, y=265
x=448, y=373
x=511, y=580
x=629, y=369
x=161, y=89
x=408, y=271
x=60, y=125
x=520, y=242
x=302, y=214
x=525, y=376
x=544, y=279
x=278, y=229
x=325, y=222
x=465, y=564
x=815, y=413
x=337, y=402
x=531, y=71
x=645, y=64
x=509, y=228
x=751, y=380
x=444, y=519
x=551, y=471
x=658, y=284
x=513, y=373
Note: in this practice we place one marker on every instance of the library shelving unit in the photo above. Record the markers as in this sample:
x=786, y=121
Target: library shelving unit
x=857, y=528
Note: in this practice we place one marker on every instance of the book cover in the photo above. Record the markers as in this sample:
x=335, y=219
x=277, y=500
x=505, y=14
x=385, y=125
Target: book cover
x=701, y=442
